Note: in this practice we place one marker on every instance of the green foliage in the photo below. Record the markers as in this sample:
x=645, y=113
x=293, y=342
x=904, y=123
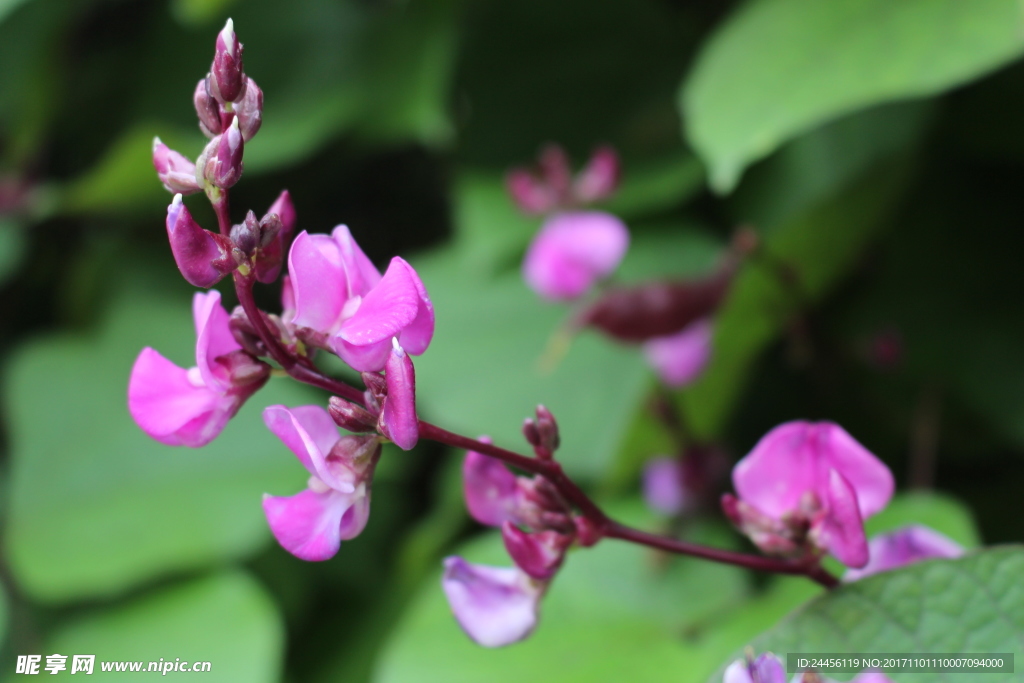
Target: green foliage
x=972, y=604
x=96, y=506
x=226, y=619
x=778, y=68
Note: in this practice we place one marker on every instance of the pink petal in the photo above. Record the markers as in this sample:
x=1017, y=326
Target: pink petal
x=572, y=251
x=362, y=357
x=309, y=433
x=490, y=488
x=415, y=338
x=495, y=606
x=663, y=486
x=868, y=475
x=398, y=416
x=170, y=408
x=842, y=530
x=308, y=524
x=904, y=546
x=386, y=310
x=599, y=178
x=538, y=554
x=360, y=272
x=779, y=470
x=680, y=358
x=529, y=193
x=213, y=338
x=318, y=282
x=871, y=677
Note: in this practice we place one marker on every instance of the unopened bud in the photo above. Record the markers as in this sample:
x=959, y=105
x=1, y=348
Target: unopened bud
x=246, y=235
x=599, y=178
x=530, y=432
x=375, y=384
x=220, y=164
x=207, y=109
x=175, y=171
x=202, y=256
x=398, y=420
x=275, y=235
x=538, y=554
x=243, y=369
x=227, y=82
x=529, y=193
x=351, y=417
x=547, y=429
x=249, y=110
x=554, y=169
x=587, y=533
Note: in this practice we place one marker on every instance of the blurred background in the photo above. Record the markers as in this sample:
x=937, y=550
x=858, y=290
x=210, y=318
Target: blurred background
x=876, y=147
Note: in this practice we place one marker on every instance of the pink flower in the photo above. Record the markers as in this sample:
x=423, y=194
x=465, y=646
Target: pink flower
x=680, y=358
x=766, y=668
x=495, y=606
x=190, y=407
x=572, y=251
x=336, y=505
x=904, y=546
x=339, y=293
x=809, y=485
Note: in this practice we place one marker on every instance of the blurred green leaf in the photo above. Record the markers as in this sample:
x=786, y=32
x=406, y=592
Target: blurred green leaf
x=81, y=465
x=199, y=12
x=492, y=232
x=490, y=362
x=940, y=512
x=8, y=6
x=972, y=604
x=12, y=246
x=226, y=619
x=804, y=259
x=656, y=185
x=777, y=68
x=615, y=612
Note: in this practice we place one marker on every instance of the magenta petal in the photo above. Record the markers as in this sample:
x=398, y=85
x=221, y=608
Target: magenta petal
x=663, y=486
x=415, y=338
x=868, y=475
x=361, y=274
x=599, y=178
x=871, y=677
x=842, y=529
x=490, y=488
x=529, y=193
x=495, y=606
x=310, y=433
x=904, y=546
x=362, y=357
x=766, y=668
x=680, y=358
x=172, y=409
x=386, y=310
x=398, y=416
x=539, y=554
x=318, y=281
x=213, y=338
x=572, y=251
x=355, y=518
x=196, y=251
x=779, y=470
x=308, y=524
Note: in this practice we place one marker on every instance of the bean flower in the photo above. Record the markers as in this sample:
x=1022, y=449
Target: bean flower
x=807, y=487
x=904, y=546
x=182, y=407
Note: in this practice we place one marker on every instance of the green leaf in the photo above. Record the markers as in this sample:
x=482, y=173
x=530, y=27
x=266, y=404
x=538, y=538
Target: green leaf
x=491, y=360
x=778, y=68
x=940, y=512
x=96, y=506
x=972, y=604
x=615, y=612
x=226, y=619
x=12, y=246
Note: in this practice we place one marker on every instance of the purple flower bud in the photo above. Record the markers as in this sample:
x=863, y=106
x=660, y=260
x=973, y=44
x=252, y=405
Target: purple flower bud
x=904, y=546
x=249, y=110
x=398, y=420
x=495, y=606
x=176, y=172
x=351, y=417
x=547, y=429
x=680, y=358
x=246, y=235
x=766, y=668
x=530, y=194
x=555, y=171
x=203, y=257
x=599, y=178
x=539, y=554
x=207, y=109
x=573, y=251
x=227, y=82
x=276, y=228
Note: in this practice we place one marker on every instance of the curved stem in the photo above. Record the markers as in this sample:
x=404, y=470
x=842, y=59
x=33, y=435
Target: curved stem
x=549, y=469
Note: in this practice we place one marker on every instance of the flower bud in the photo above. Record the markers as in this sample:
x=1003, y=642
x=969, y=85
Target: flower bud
x=202, y=256
x=547, y=429
x=220, y=164
x=554, y=169
x=530, y=194
x=245, y=333
x=207, y=109
x=242, y=369
x=227, y=82
x=538, y=554
x=246, y=235
x=357, y=453
x=351, y=417
x=249, y=110
x=176, y=172
x=398, y=420
x=599, y=178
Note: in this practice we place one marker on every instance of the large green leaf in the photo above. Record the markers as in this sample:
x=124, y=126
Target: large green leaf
x=615, y=612
x=226, y=619
x=491, y=360
x=974, y=604
x=777, y=68
x=96, y=506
